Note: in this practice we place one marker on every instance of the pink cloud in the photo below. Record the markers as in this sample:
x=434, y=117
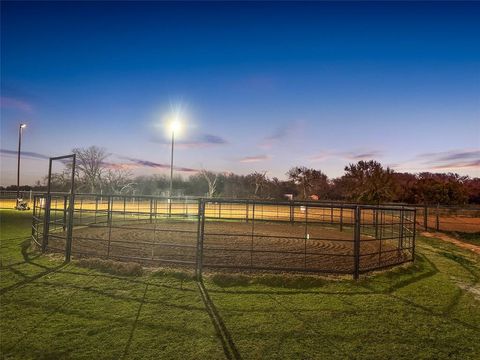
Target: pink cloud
x=258, y=158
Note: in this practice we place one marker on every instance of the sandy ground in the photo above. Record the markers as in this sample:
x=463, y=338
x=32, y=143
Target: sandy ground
x=236, y=244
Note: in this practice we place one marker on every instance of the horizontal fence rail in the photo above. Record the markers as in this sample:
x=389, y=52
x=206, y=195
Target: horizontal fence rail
x=237, y=234
x=465, y=219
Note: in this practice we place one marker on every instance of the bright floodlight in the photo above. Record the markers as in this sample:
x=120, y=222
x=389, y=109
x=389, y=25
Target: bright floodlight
x=23, y=126
x=175, y=126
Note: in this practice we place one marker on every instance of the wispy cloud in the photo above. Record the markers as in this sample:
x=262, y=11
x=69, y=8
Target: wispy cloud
x=451, y=160
x=151, y=164
x=257, y=158
x=475, y=164
x=29, y=154
x=354, y=155
x=132, y=164
x=201, y=140
x=14, y=103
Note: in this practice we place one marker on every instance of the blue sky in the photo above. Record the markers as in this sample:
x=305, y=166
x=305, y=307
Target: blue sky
x=263, y=86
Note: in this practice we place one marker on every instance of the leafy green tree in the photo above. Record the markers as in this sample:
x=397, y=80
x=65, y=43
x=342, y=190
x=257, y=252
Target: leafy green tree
x=369, y=182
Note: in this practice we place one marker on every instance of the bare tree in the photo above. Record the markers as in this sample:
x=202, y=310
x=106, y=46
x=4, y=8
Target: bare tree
x=117, y=180
x=90, y=165
x=259, y=180
x=211, y=179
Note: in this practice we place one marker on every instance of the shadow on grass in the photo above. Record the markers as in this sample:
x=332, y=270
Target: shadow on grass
x=25, y=245
x=229, y=347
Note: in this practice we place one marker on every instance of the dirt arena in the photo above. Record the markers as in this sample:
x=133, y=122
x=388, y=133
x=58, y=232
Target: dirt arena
x=234, y=244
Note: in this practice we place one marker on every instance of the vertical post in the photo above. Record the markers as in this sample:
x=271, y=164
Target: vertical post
x=18, y=162
x=292, y=212
x=124, y=208
x=247, y=210
x=151, y=210
x=34, y=221
x=437, y=218
x=306, y=236
x=96, y=209
x=414, y=232
x=46, y=217
x=171, y=176
x=81, y=209
x=425, y=217
x=253, y=234
x=108, y=209
x=341, y=217
x=64, y=225
x=200, y=237
x=331, y=213
x=356, y=244
x=400, y=234
x=376, y=222
x=71, y=208
x=109, y=223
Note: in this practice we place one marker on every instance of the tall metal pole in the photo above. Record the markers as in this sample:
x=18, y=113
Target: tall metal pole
x=20, y=127
x=171, y=176
x=171, y=164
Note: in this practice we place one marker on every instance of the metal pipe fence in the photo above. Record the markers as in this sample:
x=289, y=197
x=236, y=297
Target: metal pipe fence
x=239, y=235
x=465, y=219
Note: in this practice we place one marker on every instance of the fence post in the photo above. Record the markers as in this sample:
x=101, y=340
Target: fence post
x=151, y=209
x=292, y=212
x=356, y=244
x=96, y=209
x=34, y=221
x=247, y=210
x=331, y=213
x=68, y=247
x=414, y=232
x=400, y=235
x=376, y=222
x=341, y=217
x=425, y=217
x=64, y=226
x=437, y=219
x=200, y=235
x=46, y=222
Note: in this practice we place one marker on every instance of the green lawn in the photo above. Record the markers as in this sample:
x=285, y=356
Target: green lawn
x=50, y=310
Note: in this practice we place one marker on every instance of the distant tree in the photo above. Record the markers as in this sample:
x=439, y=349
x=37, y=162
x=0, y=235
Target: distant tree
x=472, y=187
x=369, y=182
x=435, y=188
x=211, y=179
x=90, y=165
x=404, y=190
x=308, y=179
x=118, y=181
x=258, y=181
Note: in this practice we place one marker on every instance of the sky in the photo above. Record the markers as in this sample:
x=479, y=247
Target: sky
x=258, y=86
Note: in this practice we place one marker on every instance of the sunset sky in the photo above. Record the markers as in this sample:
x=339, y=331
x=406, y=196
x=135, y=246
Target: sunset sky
x=261, y=86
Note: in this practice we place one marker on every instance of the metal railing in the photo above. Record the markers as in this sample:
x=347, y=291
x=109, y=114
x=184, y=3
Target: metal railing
x=226, y=234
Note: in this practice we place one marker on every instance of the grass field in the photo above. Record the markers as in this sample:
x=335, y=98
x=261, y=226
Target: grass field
x=49, y=310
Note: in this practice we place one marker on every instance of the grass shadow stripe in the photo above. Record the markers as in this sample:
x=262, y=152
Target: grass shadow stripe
x=129, y=342
x=229, y=347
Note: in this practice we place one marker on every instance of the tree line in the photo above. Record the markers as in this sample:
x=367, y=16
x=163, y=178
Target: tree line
x=365, y=182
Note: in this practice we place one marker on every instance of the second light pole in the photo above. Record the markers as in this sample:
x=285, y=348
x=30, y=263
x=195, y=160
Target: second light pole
x=20, y=128
x=174, y=126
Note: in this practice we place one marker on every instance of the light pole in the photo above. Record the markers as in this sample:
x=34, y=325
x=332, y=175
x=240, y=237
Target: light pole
x=20, y=128
x=174, y=126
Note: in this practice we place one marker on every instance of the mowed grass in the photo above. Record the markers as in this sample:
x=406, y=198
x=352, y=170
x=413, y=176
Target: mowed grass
x=50, y=310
